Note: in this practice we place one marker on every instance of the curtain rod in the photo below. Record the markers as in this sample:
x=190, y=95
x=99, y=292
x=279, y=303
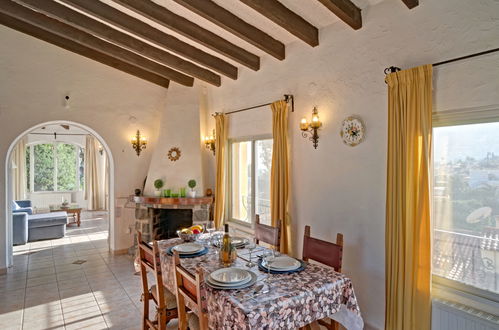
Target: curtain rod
x=287, y=98
x=395, y=69
x=56, y=134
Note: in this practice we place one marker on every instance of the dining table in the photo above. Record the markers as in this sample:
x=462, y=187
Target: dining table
x=275, y=301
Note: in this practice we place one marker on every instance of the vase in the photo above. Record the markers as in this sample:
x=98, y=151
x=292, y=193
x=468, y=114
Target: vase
x=157, y=193
x=192, y=193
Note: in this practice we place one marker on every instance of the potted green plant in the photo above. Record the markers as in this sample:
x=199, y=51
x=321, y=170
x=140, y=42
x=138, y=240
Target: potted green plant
x=192, y=185
x=158, y=184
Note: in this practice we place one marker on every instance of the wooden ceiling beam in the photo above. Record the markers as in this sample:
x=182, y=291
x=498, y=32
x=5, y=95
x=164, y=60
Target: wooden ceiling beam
x=346, y=10
x=44, y=22
x=281, y=15
x=411, y=3
x=79, y=49
x=81, y=21
x=146, y=31
x=230, y=22
x=183, y=26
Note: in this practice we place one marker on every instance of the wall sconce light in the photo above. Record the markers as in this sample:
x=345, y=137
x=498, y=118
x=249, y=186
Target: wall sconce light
x=139, y=142
x=101, y=149
x=311, y=128
x=209, y=142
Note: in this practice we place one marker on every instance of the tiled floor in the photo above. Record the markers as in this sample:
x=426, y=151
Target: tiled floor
x=46, y=289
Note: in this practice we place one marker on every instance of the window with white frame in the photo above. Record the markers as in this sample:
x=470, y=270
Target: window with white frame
x=249, y=180
x=54, y=167
x=466, y=205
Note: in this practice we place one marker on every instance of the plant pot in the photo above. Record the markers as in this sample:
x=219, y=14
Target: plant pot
x=157, y=193
x=192, y=193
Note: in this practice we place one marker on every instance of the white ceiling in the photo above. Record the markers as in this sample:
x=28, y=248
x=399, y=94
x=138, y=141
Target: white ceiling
x=311, y=10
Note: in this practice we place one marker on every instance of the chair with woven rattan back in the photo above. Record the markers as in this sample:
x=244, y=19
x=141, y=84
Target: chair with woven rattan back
x=165, y=301
x=327, y=253
x=191, y=294
x=268, y=234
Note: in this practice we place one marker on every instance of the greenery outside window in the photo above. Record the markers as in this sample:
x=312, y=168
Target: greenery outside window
x=53, y=167
x=465, y=211
x=249, y=180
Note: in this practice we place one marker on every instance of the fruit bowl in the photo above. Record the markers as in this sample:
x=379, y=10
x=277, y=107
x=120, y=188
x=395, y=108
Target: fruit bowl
x=190, y=234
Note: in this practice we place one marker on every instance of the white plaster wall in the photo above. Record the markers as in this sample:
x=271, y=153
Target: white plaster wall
x=342, y=189
x=35, y=77
x=180, y=127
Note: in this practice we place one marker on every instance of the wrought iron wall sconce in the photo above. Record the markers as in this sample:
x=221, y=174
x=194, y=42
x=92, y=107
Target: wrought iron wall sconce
x=209, y=142
x=139, y=142
x=101, y=149
x=310, y=129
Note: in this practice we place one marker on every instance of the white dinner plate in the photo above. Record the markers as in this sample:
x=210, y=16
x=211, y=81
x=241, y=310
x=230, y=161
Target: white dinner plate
x=188, y=248
x=283, y=263
x=230, y=275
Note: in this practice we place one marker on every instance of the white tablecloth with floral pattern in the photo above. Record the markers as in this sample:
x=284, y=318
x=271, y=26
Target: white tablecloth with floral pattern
x=294, y=300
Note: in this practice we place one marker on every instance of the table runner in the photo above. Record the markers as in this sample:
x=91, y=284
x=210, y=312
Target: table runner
x=294, y=300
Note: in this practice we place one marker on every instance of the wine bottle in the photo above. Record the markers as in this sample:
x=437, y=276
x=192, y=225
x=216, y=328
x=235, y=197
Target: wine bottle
x=227, y=252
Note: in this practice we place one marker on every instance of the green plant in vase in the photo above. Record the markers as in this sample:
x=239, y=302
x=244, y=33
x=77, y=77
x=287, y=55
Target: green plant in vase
x=192, y=185
x=158, y=184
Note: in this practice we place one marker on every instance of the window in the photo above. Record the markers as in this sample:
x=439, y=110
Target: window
x=54, y=167
x=249, y=180
x=466, y=205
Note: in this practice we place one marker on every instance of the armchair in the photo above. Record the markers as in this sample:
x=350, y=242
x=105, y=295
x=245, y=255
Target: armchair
x=22, y=206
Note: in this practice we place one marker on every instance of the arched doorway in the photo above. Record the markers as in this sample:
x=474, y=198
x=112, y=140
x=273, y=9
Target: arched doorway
x=9, y=181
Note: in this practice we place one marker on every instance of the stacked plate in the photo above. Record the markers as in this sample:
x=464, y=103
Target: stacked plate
x=188, y=250
x=237, y=242
x=281, y=264
x=231, y=278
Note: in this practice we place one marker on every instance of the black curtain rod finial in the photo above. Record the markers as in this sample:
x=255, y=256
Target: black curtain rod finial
x=392, y=69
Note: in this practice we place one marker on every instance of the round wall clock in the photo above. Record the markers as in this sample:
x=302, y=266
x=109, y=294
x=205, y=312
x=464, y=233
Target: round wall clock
x=352, y=131
x=174, y=154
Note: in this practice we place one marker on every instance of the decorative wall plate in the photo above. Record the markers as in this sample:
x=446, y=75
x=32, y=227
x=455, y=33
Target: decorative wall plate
x=174, y=154
x=352, y=131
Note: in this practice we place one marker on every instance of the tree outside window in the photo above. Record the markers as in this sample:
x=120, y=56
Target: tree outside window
x=54, y=167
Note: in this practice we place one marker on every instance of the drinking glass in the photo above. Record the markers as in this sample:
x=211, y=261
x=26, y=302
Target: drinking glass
x=251, y=246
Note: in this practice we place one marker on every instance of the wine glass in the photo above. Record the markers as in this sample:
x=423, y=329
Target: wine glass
x=267, y=258
x=210, y=228
x=251, y=246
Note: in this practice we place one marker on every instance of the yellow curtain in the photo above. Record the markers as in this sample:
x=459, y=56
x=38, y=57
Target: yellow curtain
x=92, y=180
x=19, y=170
x=220, y=145
x=279, y=178
x=408, y=259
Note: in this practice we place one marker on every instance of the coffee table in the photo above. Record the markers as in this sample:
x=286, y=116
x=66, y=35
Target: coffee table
x=75, y=211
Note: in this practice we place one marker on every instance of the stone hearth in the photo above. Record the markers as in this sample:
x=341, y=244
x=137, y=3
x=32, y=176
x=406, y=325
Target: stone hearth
x=149, y=211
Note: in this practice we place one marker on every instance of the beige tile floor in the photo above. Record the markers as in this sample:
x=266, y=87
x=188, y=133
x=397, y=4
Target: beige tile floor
x=46, y=290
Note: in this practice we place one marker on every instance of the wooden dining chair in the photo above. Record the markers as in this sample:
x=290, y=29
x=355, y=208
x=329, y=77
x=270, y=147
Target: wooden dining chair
x=268, y=234
x=166, y=302
x=327, y=253
x=191, y=295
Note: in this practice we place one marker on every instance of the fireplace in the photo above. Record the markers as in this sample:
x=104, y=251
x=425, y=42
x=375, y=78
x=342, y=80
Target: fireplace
x=160, y=217
x=166, y=222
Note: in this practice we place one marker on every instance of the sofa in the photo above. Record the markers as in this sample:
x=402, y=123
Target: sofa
x=29, y=227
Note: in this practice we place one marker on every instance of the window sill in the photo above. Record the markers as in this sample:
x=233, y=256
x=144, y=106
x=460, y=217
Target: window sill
x=455, y=293
x=244, y=229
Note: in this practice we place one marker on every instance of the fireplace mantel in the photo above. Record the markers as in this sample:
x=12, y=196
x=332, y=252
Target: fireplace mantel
x=169, y=201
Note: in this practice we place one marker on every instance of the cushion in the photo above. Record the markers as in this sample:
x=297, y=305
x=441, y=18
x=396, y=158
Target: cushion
x=193, y=321
x=170, y=299
x=47, y=219
x=15, y=206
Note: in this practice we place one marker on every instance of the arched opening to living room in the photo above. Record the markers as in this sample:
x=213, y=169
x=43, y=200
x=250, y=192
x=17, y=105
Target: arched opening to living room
x=59, y=178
